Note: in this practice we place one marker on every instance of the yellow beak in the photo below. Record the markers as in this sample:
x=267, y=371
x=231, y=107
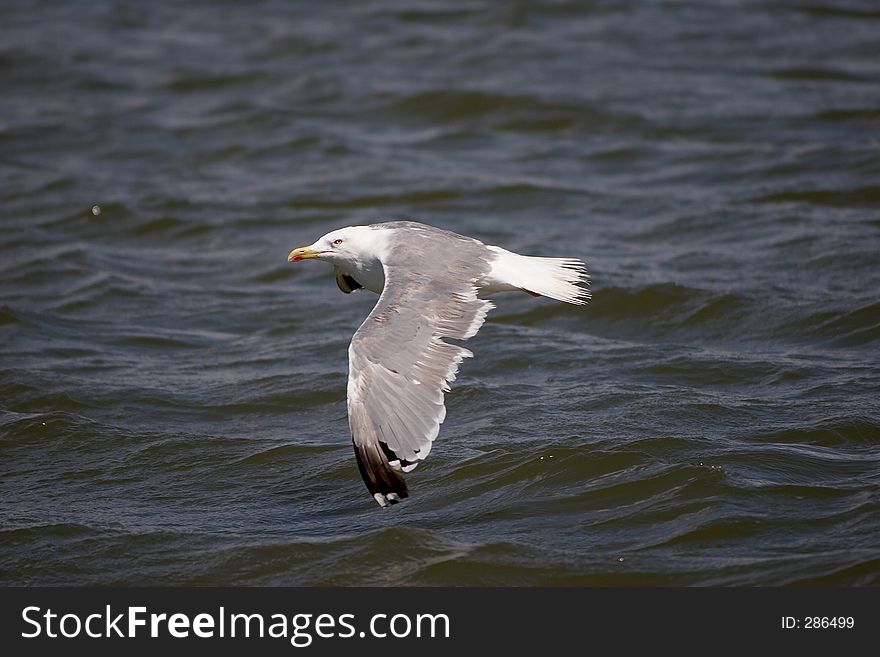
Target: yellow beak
x=303, y=253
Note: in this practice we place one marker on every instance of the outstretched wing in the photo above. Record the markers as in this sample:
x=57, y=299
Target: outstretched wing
x=399, y=365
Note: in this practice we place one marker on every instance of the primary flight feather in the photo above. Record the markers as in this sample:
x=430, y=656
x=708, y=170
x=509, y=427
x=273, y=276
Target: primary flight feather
x=399, y=366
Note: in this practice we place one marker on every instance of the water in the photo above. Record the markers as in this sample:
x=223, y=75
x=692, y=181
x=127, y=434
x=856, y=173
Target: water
x=173, y=391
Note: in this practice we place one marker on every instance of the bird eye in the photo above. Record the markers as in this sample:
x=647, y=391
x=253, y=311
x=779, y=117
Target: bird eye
x=337, y=242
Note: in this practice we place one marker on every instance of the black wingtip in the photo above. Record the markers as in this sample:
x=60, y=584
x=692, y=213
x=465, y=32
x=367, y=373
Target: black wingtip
x=385, y=483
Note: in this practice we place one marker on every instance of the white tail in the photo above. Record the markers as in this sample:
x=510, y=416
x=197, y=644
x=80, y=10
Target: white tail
x=564, y=279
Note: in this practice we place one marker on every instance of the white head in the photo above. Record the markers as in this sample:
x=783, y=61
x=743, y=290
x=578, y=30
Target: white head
x=346, y=247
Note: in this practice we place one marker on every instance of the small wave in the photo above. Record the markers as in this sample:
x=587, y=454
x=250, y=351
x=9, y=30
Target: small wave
x=451, y=105
x=8, y=316
x=831, y=433
x=25, y=535
x=851, y=114
x=167, y=226
x=412, y=197
x=705, y=370
x=439, y=14
x=670, y=306
x=695, y=313
x=161, y=342
x=842, y=328
x=189, y=82
x=834, y=10
x=509, y=112
x=866, y=572
x=647, y=302
x=855, y=197
x=274, y=274
x=351, y=560
x=276, y=452
x=815, y=73
x=39, y=397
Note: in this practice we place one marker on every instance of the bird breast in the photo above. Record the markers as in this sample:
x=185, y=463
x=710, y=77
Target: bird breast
x=370, y=275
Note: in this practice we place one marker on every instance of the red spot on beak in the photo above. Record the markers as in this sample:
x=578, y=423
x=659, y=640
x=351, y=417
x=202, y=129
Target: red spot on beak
x=296, y=258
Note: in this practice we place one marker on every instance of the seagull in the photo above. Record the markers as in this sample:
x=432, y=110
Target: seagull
x=399, y=367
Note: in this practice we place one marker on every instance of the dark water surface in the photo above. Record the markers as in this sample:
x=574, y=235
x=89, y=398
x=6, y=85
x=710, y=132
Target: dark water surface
x=172, y=392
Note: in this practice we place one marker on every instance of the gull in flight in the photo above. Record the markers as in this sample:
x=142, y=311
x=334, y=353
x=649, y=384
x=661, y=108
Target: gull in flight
x=399, y=366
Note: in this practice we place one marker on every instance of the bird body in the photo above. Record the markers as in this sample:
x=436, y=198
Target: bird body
x=400, y=367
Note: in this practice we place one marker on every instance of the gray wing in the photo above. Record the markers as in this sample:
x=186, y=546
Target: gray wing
x=399, y=366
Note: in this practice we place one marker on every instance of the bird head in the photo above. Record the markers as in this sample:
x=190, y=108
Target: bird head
x=345, y=246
